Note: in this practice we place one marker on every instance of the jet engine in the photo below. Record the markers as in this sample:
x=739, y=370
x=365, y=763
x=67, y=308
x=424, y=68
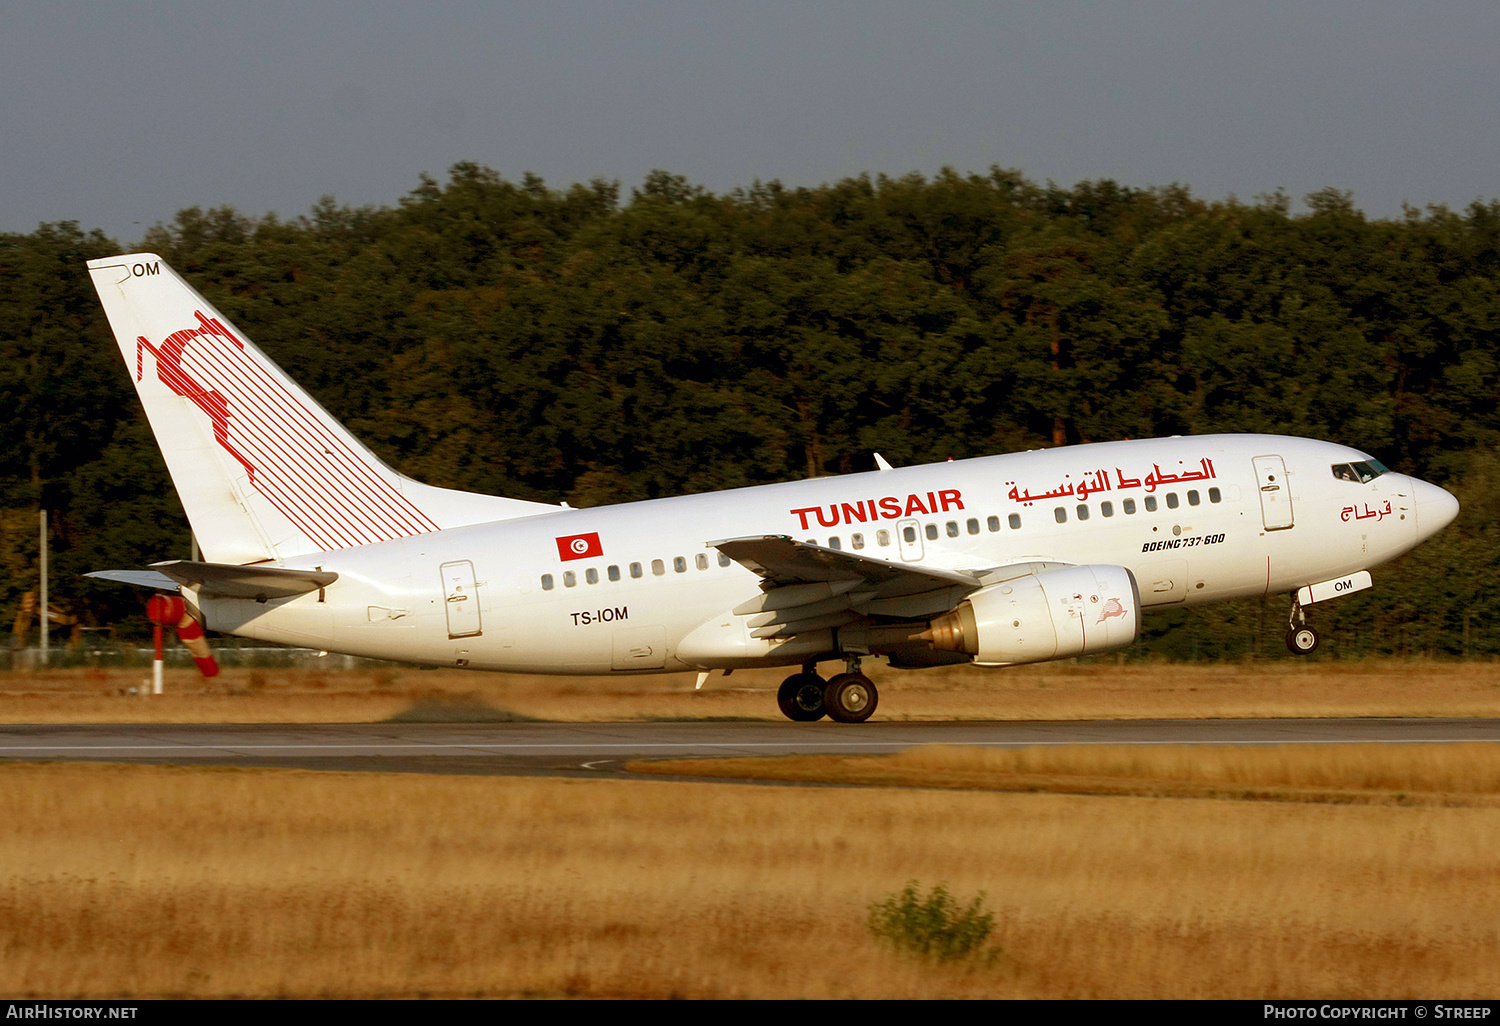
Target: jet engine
x=1056, y=614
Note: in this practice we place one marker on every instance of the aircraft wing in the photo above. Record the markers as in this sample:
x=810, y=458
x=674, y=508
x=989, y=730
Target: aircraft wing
x=229, y=580
x=807, y=587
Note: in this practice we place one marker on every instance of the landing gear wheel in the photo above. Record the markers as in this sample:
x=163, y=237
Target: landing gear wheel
x=1302, y=640
x=850, y=698
x=801, y=697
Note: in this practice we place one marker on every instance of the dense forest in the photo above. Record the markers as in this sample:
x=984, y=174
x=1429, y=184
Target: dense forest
x=512, y=338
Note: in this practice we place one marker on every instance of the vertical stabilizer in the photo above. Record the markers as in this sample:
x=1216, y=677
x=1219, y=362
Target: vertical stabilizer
x=263, y=471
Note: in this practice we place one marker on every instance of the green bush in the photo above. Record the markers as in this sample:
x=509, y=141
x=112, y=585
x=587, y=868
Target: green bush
x=935, y=927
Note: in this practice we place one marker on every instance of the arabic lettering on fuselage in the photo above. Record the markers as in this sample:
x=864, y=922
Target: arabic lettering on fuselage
x=1352, y=512
x=1094, y=481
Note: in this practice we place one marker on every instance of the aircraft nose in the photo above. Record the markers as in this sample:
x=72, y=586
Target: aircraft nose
x=1436, y=507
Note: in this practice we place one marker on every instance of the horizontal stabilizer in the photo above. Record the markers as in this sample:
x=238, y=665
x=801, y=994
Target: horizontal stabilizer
x=253, y=582
x=227, y=580
x=139, y=578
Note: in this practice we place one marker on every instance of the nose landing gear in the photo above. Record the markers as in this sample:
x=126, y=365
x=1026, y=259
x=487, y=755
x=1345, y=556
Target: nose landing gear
x=1301, y=639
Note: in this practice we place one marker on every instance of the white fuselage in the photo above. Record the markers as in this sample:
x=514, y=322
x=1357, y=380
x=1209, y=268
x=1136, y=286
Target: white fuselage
x=1195, y=519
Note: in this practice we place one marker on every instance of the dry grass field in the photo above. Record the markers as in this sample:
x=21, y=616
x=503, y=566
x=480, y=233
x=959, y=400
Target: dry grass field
x=1448, y=775
x=139, y=881
x=1048, y=691
x=1325, y=871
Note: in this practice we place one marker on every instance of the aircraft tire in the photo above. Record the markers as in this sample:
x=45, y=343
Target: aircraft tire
x=800, y=697
x=850, y=698
x=1302, y=640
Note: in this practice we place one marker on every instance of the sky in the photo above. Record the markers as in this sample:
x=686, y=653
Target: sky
x=117, y=116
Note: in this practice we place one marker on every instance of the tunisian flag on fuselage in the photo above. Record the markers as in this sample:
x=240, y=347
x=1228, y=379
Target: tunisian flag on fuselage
x=579, y=546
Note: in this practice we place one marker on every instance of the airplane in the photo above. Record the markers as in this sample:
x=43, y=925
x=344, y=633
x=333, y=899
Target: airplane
x=308, y=539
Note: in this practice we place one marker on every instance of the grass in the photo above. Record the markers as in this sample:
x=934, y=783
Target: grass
x=1324, y=871
x=1450, y=775
x=132, y=881
x=1049, y=691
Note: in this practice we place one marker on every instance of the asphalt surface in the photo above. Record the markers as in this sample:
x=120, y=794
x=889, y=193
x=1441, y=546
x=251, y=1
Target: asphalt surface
x=602, y=749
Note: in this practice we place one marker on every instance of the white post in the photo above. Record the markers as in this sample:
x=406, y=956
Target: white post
x=156, y=640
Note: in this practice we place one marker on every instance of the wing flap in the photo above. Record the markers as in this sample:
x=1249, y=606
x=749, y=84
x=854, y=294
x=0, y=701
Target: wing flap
x=808, y=587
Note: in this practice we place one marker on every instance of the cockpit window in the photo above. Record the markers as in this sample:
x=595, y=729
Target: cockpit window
x=1362, y=473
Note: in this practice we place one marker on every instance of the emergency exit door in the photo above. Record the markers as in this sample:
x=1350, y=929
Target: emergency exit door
x=909, y=536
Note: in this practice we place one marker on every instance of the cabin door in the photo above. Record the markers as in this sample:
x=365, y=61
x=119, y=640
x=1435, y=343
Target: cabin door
x=461, y=599
x=1275, y=496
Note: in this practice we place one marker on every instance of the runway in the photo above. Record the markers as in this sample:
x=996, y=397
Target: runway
x=602, y=749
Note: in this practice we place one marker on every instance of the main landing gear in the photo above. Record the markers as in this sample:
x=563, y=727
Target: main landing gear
x=1301, y=639
x=849, y=697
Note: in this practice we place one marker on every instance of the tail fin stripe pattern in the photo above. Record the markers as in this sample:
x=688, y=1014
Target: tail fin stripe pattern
x=342, y=485
x=212, y=402
x=270, y=409
x=272, y=476
x=354, y=506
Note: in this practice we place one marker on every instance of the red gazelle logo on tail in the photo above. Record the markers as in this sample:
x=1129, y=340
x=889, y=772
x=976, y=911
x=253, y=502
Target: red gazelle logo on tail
x=170, y=372
x=301, y=462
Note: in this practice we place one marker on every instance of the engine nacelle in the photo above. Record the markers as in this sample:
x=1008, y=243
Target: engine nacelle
x=1078, y=610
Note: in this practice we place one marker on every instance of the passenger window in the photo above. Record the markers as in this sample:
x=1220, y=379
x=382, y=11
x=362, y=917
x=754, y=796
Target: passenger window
x=614, y=573
x=857, y=541
x=701, y=559
x=591, y=575
x=932, y=532
x=724, y=560
x=1083, y=512
x=635, y=569
x=993, y=523
x=1213, y=495
x=834, y=543
x=547, y=582
x=1193, y=498
x=679, y=563
x=909, y=533
x=882, y=538
x=569, y=578
x=1128, y=506
x=1171, y=500
x=658, y=567
x=953, y=529
x=1061, y=515
x=973, y=525
x=1015, y=521
x=1150, y=504
x=1106, y=509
